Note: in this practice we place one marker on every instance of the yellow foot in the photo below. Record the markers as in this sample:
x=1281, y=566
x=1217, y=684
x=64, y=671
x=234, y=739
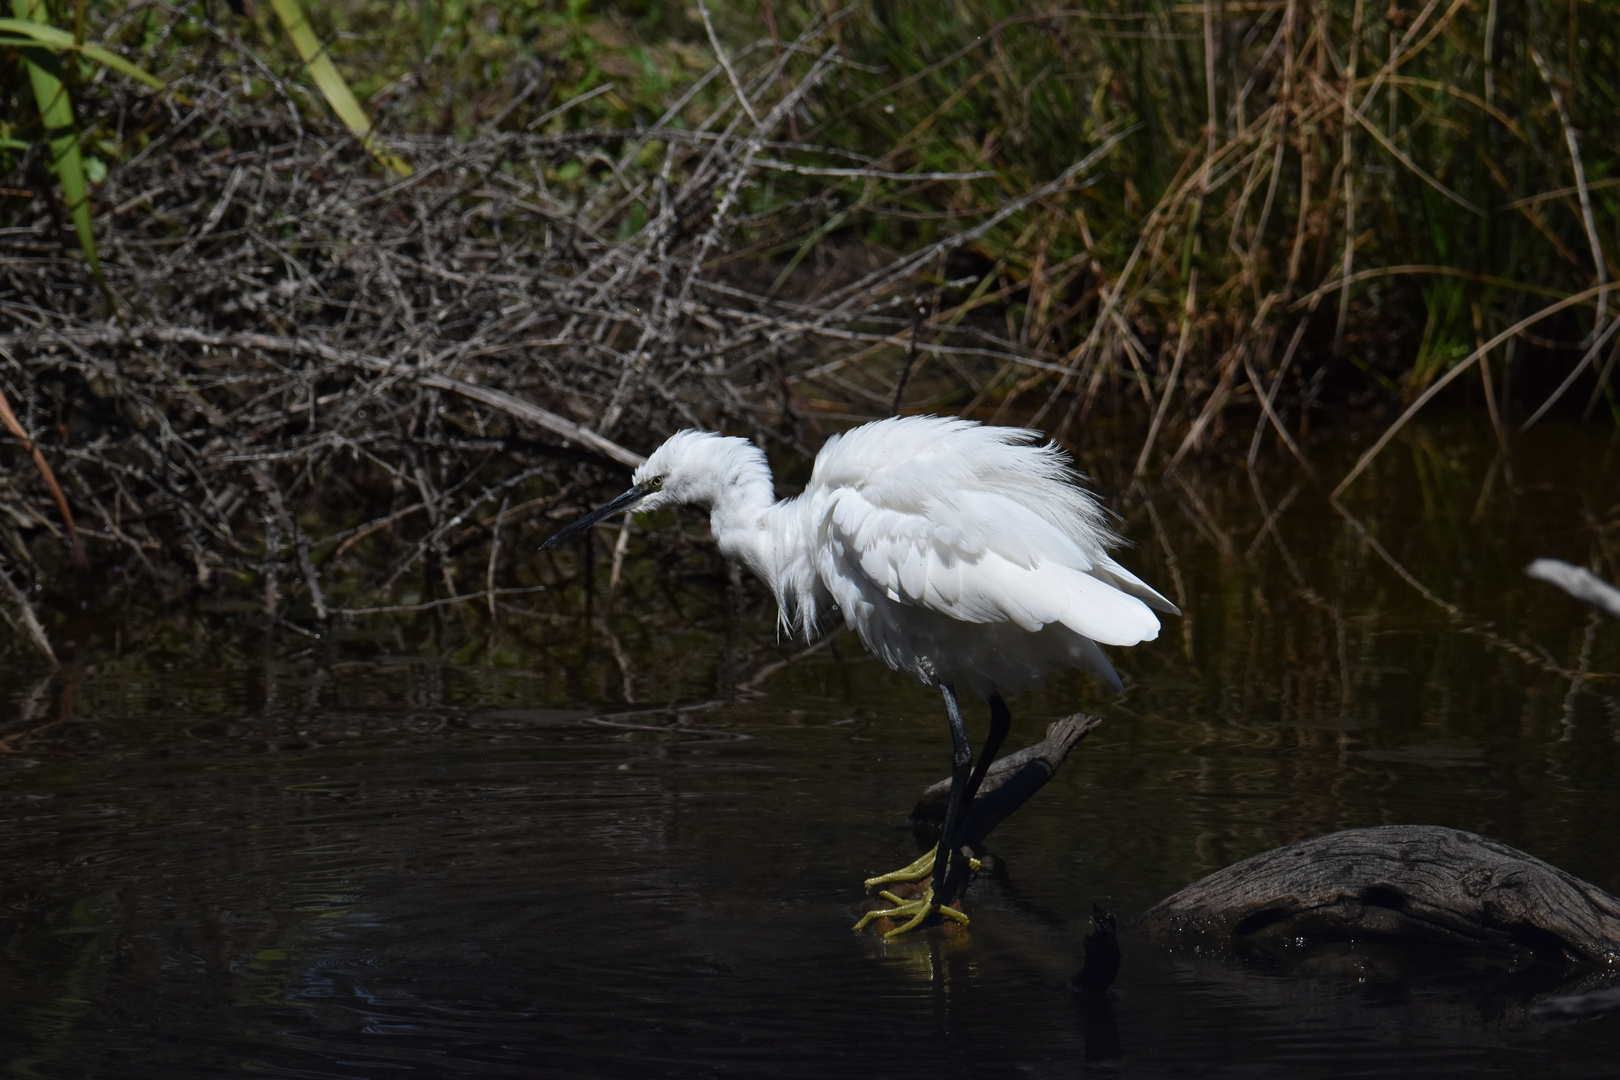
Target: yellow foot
x=915, y=872
x=913, y=911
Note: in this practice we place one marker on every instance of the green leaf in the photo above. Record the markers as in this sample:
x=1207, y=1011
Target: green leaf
x=34, y=34
x=338, y=94
x=56, y=114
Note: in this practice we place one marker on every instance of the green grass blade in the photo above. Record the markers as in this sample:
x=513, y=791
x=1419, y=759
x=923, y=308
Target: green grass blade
x=56, y=113
x=108, y=58
x=337, y=92
x=33, y=33
x=37, y=32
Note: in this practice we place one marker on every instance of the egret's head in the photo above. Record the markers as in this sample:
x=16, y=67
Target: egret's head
x=692, y=467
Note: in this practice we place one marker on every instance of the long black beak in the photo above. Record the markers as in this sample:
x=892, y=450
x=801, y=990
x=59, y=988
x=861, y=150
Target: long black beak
x=627, y=501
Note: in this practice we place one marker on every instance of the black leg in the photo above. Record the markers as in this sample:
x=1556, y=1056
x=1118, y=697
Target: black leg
x=1000, y=724
x=956, y=804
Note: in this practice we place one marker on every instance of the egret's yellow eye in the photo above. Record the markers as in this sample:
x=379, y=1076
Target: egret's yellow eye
x=655, y=483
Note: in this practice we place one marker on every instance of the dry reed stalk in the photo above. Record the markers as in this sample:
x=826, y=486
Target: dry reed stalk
x=1486, y=385
x=9, y=420
x=1575, y=372
x=1268, y=400
x=1183, y=338
x=1348, y=171
x=1458, y=371
x=1600, y=264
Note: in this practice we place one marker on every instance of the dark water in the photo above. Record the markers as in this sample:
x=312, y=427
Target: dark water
x=444, y=848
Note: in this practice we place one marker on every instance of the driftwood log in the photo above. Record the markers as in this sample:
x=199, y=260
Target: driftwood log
x=1011, y=782
x=1411, y=884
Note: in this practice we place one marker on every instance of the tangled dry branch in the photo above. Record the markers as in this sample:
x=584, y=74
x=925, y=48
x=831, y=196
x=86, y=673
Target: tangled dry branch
x=318, y=378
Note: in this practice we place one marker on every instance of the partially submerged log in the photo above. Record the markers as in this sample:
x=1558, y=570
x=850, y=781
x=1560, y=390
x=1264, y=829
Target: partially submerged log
x=1011, y=782
x=1415, y=884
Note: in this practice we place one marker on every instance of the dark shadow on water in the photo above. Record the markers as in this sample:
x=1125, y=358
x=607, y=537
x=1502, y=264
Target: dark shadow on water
x=1099, y=1027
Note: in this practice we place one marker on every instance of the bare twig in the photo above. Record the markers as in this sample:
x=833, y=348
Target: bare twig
x=36, y=632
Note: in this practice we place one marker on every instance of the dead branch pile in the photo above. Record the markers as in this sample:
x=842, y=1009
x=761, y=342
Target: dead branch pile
x=319, y=380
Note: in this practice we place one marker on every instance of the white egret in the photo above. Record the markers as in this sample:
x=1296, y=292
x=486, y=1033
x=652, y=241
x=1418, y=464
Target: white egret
x=964, y=555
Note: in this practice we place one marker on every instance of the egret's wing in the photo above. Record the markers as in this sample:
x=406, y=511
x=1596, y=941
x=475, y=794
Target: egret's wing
x=913, y=462
x=976, y=557
x=1129, y=582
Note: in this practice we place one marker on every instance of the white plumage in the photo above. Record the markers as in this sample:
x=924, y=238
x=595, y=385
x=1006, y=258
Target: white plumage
x=967, y=556
x=961, y=554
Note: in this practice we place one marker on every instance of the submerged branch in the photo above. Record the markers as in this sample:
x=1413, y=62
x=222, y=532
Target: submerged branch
x=1580, y=583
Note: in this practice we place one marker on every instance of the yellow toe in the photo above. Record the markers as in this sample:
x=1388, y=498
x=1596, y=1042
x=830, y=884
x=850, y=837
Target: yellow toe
x=914, y=872
x=913, y=911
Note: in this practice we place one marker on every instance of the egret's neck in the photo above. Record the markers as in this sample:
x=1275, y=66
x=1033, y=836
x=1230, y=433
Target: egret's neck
x=768, y=537
x=737, y=505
